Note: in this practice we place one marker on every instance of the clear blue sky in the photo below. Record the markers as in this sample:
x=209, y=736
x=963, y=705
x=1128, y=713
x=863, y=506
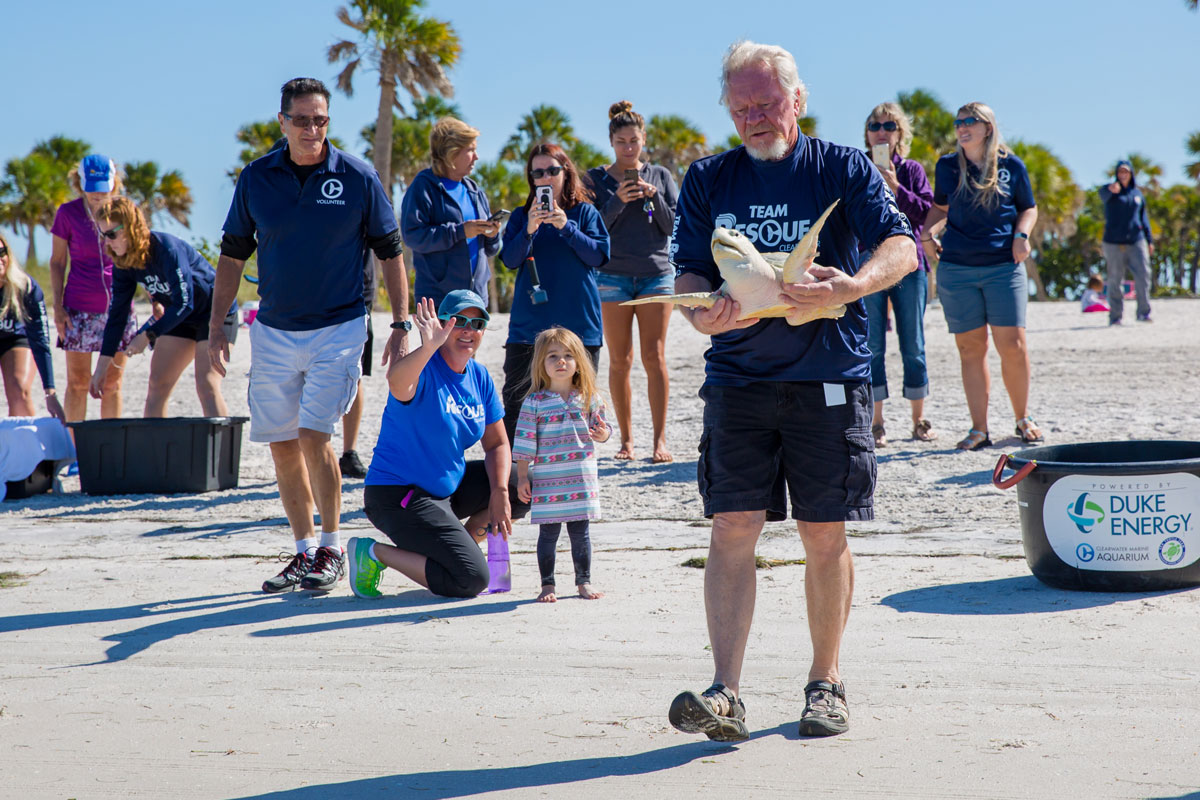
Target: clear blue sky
x=140, y=80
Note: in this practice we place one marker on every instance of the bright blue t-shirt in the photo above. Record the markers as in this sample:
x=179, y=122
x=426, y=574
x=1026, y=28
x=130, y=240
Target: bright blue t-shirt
x=462, y=198
x=421, y=442
x=311, y=239
x=774, y=203
x=977, y=236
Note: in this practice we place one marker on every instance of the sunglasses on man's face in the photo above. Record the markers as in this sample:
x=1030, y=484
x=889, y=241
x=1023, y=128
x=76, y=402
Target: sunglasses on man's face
x=538, y=174
x=111, y=234
x=303, y=123
x=888, y=126
x=474, y=323
x=967, y=122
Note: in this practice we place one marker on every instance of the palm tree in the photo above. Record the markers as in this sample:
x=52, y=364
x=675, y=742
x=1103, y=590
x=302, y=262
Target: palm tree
x=544, y=123
x=1058, y=200
x=1192, y=144
x=258, y=138
x=410, y=138
x=36, y=185
x=155, y=194
x=62, y=151
x=808, y=126
x=933, y=127
x=674, y=142
x=405, y=49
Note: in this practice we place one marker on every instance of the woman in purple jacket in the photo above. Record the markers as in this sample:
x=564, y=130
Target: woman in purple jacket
x=889, y=126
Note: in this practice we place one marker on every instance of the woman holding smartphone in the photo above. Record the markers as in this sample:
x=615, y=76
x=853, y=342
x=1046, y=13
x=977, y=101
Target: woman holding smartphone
x=637, y=203
x=888, y=134
x=445, y=219
x=982, y=191
x=555, y=242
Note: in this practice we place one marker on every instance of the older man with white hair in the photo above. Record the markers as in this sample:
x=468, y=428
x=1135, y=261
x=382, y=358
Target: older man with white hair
x=783, y=405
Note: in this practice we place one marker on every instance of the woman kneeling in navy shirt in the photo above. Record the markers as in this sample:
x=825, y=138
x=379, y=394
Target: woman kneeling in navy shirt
x=178, y=278
x=441, y=402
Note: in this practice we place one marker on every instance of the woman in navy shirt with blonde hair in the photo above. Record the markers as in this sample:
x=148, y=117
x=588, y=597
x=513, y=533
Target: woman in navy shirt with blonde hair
x=982, y=191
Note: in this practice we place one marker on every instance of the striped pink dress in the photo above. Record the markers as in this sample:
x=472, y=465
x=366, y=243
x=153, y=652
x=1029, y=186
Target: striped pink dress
x=552, y=434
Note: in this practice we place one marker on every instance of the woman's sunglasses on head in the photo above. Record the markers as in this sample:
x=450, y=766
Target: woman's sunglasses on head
x=888, y=126
x=112, y=233
x=474, y=323
x=537, y=174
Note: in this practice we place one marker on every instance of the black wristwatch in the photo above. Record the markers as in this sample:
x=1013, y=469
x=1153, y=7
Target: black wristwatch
x=403, y=325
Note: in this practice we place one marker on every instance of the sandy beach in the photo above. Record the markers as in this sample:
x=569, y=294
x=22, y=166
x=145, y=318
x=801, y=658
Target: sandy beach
x=139, y=659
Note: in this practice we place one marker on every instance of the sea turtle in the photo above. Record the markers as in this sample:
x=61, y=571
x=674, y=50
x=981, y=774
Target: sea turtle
x=753, y=279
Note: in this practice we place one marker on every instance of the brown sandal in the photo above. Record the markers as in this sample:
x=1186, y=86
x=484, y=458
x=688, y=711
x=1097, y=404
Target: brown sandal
x=923, y=431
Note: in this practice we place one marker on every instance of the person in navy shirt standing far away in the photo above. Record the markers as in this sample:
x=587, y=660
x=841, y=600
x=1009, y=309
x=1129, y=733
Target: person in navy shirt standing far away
x=782, y=403
x=983, y=194
x=311, y=210
x=177, y=278
x=1128, y=242
x=444, y=217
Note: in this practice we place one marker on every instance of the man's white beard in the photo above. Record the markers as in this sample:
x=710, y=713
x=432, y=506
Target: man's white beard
x=776, y=150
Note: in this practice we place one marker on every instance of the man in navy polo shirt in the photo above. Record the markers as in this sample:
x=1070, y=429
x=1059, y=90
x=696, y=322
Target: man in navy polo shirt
x=311, y=211
x=783, y=404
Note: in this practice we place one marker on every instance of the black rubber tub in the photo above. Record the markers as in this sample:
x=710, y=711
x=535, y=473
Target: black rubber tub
x=1109, y=516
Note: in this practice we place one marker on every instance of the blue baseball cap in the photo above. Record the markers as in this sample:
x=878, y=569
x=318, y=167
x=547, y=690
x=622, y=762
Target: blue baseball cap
x=97, y=173
x=1126, y=164
x=459, y=299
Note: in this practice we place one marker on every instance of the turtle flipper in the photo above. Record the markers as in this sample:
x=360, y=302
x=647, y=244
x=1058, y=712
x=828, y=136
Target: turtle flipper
x=690, y=300
x=802, y=257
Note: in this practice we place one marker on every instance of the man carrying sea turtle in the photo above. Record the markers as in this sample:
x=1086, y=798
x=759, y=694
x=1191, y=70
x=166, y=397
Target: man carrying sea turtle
x=783, y=403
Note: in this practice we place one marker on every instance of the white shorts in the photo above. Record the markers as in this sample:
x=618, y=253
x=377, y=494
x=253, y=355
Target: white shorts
x=302, y=379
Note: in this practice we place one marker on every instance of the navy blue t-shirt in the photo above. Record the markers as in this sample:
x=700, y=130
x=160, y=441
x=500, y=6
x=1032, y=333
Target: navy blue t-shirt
x=176, y=276
x=310, y=239
x=977, y=236
x=773, y=203
x=35, y=328
x=421, y=442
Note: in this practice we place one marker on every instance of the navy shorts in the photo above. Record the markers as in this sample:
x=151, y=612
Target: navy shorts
x=761, y=437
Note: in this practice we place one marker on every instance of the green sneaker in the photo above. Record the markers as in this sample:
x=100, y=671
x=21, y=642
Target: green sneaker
x=365, y=571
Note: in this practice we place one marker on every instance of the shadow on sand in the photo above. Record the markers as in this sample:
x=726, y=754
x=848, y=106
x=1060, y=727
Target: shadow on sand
x=1024, y=595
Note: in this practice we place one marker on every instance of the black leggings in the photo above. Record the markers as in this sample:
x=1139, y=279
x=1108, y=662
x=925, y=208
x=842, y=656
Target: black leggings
x=581, y=550
x=518, y=357
x=420, y=523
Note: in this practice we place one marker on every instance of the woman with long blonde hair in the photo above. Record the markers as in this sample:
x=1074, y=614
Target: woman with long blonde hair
x=560, y=420
x=24, y=339
x=178, y=278
x=982, y=192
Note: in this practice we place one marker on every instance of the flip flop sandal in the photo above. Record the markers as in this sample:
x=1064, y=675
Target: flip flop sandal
x=975, y=440
x=715, y=713
x=1023, y=426
x=923, y=431
x=825, y=709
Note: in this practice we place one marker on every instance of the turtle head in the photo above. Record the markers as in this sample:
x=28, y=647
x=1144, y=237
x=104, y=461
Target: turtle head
x=730, y=244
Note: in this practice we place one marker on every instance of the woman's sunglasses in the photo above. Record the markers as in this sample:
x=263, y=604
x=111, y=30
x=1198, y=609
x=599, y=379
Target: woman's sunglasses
x=967, y=121
x=3, y=251
x=537, y=174
x=111, y=234
x=474, y=323
x=888, y=126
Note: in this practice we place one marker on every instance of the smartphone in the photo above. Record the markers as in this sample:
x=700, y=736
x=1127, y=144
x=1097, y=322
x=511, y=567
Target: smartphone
x=500, y=216
x=881, y=154
x=545, y=197
x=631, y=175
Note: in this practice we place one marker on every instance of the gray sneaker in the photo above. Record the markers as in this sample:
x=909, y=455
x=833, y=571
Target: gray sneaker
x=327, y=569
x=289, y=578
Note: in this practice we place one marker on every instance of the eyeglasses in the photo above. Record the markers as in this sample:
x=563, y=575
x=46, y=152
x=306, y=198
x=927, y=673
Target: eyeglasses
x=3, y=251
x=967, y=122
x=888, y=126
x=537, y=174
x=474, y=323
x=112, y=233
x=306, y=122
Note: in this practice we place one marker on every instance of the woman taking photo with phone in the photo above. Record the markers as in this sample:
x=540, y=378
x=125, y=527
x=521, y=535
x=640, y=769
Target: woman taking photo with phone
x=444, y=217
x=178, y=278
x=24, y=339
x=888, y=134
x=983, y=193
x=637, y=203
x=555, y=242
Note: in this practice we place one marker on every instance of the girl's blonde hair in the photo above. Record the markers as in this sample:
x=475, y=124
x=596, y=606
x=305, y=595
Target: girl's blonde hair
x=123, y=211
x=891, y=111
x=585, y=375
x=986, y=191
x=16, y=284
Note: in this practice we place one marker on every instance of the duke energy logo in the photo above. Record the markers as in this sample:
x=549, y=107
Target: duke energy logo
x=1085, y=514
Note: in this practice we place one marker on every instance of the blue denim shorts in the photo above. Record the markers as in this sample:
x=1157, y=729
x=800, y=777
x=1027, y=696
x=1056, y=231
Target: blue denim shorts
x=619, y=288
x=759, y=438
x=976, y=296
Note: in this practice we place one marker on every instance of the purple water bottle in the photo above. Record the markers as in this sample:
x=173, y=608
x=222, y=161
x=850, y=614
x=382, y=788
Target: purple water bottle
x=498, y=567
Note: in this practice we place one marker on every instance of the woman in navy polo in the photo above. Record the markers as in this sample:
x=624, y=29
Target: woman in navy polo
x=177, y=277
x=567, y=242
x=24, y=339
x=983, y=193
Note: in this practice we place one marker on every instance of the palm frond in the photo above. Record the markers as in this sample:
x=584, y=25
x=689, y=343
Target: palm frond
x=345, y=78
x=340, y=50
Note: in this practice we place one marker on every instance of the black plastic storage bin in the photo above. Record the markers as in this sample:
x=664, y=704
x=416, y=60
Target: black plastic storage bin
x=158, y=456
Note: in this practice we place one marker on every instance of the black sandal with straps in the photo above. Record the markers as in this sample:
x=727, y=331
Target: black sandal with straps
x=825, y=709
x=716, y=713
